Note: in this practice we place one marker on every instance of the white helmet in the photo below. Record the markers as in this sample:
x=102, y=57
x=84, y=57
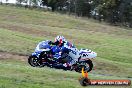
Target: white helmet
x=60, y=39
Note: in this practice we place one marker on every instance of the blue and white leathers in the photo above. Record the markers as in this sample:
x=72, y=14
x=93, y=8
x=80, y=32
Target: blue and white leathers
x=73, y=51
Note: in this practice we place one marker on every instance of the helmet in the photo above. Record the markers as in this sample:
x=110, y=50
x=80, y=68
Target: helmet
x=59, y=40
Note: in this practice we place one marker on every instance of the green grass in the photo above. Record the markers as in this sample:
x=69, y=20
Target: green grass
x=21, y=29
x=18, y=74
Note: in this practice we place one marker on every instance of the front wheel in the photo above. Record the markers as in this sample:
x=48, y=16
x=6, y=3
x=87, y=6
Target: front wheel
x=87, y=65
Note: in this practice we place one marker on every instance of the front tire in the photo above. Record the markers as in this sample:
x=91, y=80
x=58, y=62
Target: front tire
x=87, y=65
x=90, y=63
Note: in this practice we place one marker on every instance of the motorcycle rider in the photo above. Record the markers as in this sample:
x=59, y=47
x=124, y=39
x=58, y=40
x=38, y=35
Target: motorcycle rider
x=68, y=49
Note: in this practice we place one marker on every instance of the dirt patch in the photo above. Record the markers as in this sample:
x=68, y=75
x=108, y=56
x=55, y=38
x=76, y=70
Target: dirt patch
x=30, y=30
x=27, y=30
x=38, y=32
x=5, y=55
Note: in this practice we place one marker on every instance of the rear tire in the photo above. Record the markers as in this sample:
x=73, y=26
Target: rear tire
x=33, y=61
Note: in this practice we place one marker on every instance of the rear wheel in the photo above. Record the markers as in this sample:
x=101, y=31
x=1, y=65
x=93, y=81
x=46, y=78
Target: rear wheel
x=33, y=61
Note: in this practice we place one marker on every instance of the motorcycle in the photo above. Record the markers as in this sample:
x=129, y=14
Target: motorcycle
x=49, y=57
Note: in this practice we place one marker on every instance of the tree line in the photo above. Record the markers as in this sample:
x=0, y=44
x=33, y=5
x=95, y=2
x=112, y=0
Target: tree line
x=116, y=12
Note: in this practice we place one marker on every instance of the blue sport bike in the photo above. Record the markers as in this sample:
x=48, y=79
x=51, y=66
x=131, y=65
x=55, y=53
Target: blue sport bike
x=50, y=57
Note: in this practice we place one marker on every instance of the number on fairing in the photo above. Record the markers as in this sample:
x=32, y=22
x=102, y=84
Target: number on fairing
x=85, y=55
